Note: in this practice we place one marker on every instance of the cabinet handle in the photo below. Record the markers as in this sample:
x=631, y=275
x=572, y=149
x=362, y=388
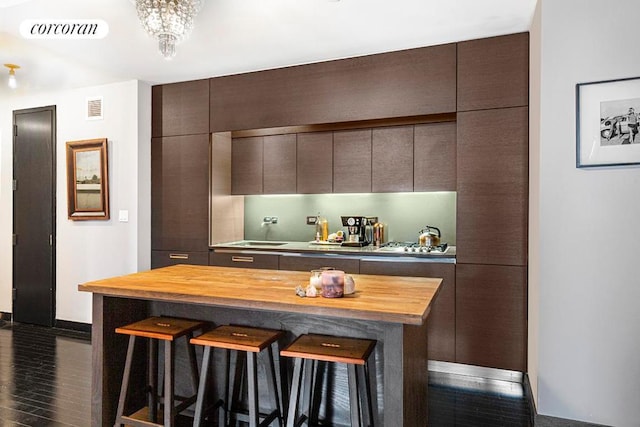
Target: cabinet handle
x=242, y=258
x=178, y=256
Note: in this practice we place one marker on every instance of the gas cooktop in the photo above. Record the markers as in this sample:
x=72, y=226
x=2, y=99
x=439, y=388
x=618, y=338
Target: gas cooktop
x=414, y=248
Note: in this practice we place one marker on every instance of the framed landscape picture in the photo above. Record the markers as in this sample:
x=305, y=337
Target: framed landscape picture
x=607, y=117
x=87, y=179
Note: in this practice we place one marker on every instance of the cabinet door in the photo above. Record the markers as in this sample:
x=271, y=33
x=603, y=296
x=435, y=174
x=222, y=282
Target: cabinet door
x=392, y=157
x=243, y=260
x=492, y=199
x=308, y=263
x=434, y=162
x=246, y=165
x=397, y=84
x=493, y=72
x=279, y=165
x=491, y=316
x=180, y=108
x=167, y=258
x=180, y=193
x=352, y=161
x=441, y=322
x=315, y=163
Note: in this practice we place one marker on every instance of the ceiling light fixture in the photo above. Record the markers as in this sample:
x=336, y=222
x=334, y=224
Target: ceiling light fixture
x=12, y=82
x=169, y=21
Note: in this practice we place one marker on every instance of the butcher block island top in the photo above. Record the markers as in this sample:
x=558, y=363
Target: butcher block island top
x=391, y=299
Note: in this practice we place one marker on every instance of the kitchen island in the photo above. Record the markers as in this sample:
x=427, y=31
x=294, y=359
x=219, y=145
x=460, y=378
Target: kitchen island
x=391, y=310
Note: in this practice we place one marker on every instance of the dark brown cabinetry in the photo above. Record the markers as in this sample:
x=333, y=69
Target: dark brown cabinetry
x=315, y=163
x=352, y=161
x=180, y=193
x=441, y=323
x=398, y=84
x=180, y=108
x=279, y=164
x=491, y=312
x=246, y=165
x=492, y=201
x=167, y=258
x=434, y=157
x=309, y=262
x=493, y=72
x=244, y=260
x=392, y=159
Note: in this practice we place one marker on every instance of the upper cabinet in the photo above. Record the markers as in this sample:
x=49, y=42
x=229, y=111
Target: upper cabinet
x=279, y=165
x=493, y=72
x=246, y=165
x=315, y=163
x=180, y=108
x=392, y=159
x=352, y=161
x=434, y=157
x=399, y=84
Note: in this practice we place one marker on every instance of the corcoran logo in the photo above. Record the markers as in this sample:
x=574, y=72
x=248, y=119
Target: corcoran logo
x=64, y=29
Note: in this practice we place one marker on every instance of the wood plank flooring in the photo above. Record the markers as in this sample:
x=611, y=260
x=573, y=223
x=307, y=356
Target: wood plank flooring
x=45, y=380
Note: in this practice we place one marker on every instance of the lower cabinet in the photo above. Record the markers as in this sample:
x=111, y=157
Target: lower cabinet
x=243, y=260
x=167, y=258
x=441, y=323
x=491, y=316
x=308, y=263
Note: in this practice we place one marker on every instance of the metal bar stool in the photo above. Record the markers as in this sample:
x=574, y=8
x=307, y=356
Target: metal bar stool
x=155, y=329
x=248, y=342
x=312, y=349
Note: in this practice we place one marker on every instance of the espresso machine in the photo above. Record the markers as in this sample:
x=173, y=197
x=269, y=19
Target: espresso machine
x=356, y=230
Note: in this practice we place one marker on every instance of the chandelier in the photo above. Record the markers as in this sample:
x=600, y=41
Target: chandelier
x=169, y=21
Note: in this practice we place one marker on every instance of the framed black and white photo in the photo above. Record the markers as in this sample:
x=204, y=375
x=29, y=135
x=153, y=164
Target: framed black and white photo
x=607, y=116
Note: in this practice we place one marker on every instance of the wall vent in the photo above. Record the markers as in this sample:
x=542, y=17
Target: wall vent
x=94, y=108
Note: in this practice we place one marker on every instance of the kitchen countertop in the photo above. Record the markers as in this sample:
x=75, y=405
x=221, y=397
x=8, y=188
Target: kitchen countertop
x=405, y=300
x=278, y=247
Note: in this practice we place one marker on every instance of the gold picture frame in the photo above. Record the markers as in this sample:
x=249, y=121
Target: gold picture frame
x=87, y=180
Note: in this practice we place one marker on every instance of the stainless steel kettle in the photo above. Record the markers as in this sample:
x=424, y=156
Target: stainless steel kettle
x=429, y=236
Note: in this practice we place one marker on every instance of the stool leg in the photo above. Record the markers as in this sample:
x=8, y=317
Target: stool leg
x=272, y=384
x=191, y=351
x=252, y=374
x=153, y=380
x=353, y=396
x=197, y=420
x=365, y=395
x=169, y=368
x=310, y=367
x=125, y=381
x=224, y=417
x=295, y=392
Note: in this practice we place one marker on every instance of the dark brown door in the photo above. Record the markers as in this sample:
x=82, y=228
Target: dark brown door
x=34, y=216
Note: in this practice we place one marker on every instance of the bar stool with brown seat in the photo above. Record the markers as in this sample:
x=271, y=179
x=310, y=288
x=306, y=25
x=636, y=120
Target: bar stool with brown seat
x=311, y=349
x=155, y=329
x=247, y=342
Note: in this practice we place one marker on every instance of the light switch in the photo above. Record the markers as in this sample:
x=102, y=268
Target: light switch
x=123, y=216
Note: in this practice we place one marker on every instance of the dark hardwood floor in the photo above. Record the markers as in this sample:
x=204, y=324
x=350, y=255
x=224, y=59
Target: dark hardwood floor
x=45, y=380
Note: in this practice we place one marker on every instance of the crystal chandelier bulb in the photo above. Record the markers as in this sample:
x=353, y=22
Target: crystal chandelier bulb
x=169, y=21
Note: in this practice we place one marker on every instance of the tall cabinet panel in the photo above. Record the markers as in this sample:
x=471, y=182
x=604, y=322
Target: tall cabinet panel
x=180, y=193
x=492, y=200
x=180, y=108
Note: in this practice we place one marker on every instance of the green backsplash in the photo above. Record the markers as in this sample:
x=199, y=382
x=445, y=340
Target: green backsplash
x=404, y=214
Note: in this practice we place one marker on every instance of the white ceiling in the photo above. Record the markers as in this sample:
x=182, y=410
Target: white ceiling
x=235, y=36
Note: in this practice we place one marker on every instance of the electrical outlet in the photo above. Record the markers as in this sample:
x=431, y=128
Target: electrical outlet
x=311, y=220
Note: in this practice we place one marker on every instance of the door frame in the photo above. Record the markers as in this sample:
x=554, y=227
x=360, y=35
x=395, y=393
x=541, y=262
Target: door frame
x=54, y=227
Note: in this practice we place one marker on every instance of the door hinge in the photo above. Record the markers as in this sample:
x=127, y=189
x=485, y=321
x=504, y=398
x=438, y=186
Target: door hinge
x=15, y=239
x=50, y=239
x=15, y=184
x=15, y=130
x=13, y=296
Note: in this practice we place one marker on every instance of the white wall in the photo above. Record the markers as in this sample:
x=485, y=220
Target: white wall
x=88, y=250
x=588, y=275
